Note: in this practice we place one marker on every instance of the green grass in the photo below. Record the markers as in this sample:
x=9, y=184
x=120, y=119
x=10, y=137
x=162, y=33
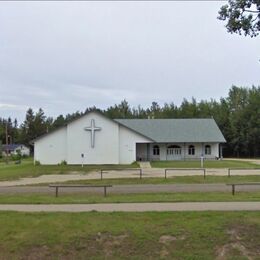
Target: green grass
x=87, y=198
x=151, y=235
x=171, y=180
x=207, y=164
x=13, y=171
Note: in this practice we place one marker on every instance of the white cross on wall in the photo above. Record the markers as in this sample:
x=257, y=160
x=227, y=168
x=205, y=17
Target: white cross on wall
x=92, y=128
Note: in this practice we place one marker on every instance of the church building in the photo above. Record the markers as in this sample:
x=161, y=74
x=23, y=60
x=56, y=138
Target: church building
x=95, y=139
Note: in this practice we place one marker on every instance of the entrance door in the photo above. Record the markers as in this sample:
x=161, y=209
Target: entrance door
x=173, y=152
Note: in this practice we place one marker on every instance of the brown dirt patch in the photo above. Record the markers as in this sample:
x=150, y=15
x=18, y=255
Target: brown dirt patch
x=37, y=252
x=110, y=242
x=166, y=241
x=244, y=240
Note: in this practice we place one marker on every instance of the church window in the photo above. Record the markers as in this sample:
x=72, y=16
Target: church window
x=191, y=150
x=207, y=149
x=156, y=150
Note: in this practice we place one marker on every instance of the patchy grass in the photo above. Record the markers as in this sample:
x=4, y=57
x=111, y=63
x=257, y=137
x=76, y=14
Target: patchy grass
x=13, y=171
x=171, y=180
x=89, y=198
x=207, y=164
x=151, y=235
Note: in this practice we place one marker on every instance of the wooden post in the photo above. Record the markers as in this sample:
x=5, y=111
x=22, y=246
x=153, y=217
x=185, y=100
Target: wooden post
x=228, y=172
x=140, y=174
x=56, y=194
x=204, y=173
x=105, y=191
x=165, y=176
x=101, y=174
x=233, y=189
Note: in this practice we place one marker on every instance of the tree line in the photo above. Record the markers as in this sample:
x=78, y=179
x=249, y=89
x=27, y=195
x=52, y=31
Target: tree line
x=237, y=115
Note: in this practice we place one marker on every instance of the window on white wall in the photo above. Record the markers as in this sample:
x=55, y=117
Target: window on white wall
x=191, y=150
x=207, y=149
x=156, y=150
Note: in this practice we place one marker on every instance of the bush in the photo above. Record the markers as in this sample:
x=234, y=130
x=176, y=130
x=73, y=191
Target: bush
x=63, y=162
x=37, y=163
x=16, y=157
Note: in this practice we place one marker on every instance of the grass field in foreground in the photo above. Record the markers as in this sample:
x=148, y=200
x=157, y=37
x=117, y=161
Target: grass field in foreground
x=171, y=180
x=153, y=235
x=87, y=198
x=207, y=164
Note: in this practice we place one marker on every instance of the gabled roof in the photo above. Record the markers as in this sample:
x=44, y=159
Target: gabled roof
x=166, y=130
x=176, y=130
x=12, y=147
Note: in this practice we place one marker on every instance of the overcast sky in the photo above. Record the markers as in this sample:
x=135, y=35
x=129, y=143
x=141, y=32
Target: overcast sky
x=66, y=56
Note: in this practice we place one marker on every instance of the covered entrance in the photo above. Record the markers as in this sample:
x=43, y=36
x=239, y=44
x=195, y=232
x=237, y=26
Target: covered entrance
x=173, y=152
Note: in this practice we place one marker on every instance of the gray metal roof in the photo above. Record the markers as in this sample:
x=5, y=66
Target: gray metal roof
x=176, y=130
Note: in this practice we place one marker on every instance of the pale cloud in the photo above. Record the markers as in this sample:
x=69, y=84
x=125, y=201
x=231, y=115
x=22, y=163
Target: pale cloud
x=67, y=56
x=12, y=107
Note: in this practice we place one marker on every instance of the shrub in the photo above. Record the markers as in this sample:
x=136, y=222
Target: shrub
x=37, y=163
x=16, y=157
x=63, y=162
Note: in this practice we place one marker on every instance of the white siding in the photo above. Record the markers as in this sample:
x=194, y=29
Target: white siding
x=52, y=148
x=106, y=149
x=114, y=144
x=128, y=140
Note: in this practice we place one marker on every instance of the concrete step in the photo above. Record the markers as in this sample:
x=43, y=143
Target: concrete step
x=145, y=165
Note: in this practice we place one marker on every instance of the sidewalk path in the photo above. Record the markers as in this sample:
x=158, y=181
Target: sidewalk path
x=137, y=207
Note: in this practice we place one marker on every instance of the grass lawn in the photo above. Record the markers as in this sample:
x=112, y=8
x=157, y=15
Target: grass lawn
x=207, y=164
x=151, y=235
x=13, y=171
x=171, y=180
x=87, y=198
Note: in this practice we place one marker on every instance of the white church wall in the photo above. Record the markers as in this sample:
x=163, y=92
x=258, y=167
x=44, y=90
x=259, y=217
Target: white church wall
x=199, y=150
x=52, y=148
x=163, y=150
x=106, y=146
x=127, y=144
x=214, y=151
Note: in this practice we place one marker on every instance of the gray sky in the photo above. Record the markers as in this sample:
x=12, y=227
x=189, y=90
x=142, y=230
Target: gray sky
x=66, y=56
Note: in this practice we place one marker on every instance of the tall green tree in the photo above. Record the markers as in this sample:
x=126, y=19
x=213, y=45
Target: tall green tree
x=242, y=16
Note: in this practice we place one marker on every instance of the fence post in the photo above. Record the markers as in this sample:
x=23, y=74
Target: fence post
x=165, y=174
x=204, y=173
x=140, y=173
x=101, y=174
x=228, y=172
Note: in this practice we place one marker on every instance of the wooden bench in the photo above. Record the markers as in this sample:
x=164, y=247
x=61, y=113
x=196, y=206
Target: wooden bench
x=57, y=186
x=241, y=184
x=121, y=169
x=185, y=169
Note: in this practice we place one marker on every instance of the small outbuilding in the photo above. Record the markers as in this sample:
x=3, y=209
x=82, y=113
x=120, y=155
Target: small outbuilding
x=16, y=149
